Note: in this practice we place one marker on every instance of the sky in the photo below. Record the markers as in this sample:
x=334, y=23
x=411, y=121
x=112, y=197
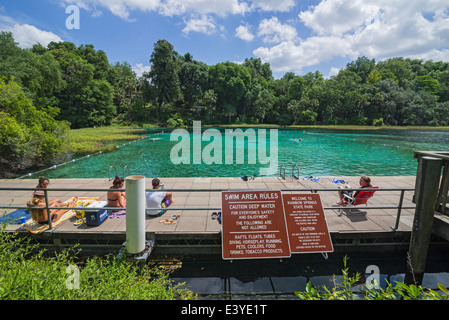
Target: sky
x=298, y=36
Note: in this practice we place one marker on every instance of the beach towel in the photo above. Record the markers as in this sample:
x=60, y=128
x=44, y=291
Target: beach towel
x=117, y=214
x=312, y=178
x=15, y=217
x=35, y=227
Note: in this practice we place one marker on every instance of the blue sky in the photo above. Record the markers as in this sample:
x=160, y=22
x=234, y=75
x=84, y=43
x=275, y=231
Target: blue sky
x=292, y=35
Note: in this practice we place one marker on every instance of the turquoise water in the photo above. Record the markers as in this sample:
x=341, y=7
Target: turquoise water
x=320, y=153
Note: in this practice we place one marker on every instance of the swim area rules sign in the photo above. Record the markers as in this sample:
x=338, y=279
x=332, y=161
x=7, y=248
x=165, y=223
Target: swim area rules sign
x=253, y=225
x=267, y=224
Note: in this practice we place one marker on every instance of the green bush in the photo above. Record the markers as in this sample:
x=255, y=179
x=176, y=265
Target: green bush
x=378, y=122
x=345, y=291
x=29, y=273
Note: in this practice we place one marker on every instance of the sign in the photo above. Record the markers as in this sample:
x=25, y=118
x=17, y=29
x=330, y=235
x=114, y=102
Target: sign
x=253, y=225
x=306, y=224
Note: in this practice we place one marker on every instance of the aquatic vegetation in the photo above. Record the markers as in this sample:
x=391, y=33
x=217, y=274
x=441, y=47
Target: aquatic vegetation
x=91, y=140
x=398, y=291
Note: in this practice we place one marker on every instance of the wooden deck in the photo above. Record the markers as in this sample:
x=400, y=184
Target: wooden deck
x=197, y=224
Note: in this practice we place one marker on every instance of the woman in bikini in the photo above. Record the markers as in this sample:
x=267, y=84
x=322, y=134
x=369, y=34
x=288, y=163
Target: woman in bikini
x=38, y=200
x=117, y=198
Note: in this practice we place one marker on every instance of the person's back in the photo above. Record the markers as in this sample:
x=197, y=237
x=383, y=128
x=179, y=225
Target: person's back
x=155, y=199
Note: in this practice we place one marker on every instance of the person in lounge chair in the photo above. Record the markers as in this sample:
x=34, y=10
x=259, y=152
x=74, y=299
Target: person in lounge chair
x=38, y=200
x=158, y=199
x=364, y=182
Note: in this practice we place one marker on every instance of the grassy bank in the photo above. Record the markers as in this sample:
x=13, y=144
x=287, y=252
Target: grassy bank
x=90, y=140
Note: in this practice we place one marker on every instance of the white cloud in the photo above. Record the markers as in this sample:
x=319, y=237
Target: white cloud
x=289, y=56
x=204, y=25
x=120, y=8
x=123, y=8
x=27, y=35
x=243, y=33
x=335, y=17
x=140, y=68
x=333, y=72
x=274, y=5
x=218, y=7
x=380, y=30
x=273, y=31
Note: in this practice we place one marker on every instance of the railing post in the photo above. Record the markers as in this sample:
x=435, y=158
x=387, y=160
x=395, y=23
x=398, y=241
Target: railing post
x=398, y=215
x=282, y=169
x=50, y=223
x=135, y=214
x=426, y=193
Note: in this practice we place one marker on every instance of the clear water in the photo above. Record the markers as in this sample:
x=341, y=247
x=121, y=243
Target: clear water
x=320, y=153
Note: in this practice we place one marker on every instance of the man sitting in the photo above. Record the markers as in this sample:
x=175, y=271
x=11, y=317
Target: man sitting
x=157, y=199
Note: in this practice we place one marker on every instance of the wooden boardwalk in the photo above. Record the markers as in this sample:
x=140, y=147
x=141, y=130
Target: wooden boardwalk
x=198, y=223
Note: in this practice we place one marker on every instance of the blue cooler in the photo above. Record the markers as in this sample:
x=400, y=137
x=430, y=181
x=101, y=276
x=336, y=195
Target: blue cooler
x=95, y=218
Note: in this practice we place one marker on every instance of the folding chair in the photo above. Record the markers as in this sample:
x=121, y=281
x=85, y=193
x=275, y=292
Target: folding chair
x=361, y=198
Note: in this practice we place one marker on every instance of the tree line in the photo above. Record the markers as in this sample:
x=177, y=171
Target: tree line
x=80, y=86
x=44, y=91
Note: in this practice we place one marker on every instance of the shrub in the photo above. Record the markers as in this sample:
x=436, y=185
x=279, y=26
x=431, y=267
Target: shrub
x=30, y=273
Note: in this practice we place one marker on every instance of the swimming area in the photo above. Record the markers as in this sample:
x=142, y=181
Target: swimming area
x=316, y=152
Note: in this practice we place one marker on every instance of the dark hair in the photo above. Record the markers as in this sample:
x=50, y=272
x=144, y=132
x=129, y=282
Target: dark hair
x=367, y=180
x=155, y=182
x=41, y=180
x=117, y=181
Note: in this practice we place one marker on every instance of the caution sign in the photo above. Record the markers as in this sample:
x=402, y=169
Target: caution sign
x=253, y=225
x=306, y=223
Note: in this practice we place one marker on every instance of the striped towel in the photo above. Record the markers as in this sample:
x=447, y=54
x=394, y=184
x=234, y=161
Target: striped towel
x=35, y=227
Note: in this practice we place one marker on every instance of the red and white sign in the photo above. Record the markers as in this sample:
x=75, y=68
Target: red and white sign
x=306, y=223
x=253, y=225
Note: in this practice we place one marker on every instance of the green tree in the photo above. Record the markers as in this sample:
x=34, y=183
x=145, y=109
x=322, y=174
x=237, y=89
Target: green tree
x=125, y=84
x=164, y=73
x=210, y=99
x=427, y=83
x=28, y=136
x=86, y=98
x=230, y=81
x=193, y=77
x=362, y=67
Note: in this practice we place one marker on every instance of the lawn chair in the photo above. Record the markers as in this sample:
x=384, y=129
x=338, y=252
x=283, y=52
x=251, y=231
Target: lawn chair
x=361, y=198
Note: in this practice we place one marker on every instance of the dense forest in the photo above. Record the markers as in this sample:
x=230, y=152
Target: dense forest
x=45, y=91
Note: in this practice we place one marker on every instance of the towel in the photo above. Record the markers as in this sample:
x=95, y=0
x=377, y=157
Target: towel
x=35, y=227
x=117, y=214
x=15, y=216
x=338, y=181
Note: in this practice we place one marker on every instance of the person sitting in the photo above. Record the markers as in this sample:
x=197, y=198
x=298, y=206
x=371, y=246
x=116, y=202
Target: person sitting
x=157, y=199
x=364, y=183
x=116, y=198
x=38, y=200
